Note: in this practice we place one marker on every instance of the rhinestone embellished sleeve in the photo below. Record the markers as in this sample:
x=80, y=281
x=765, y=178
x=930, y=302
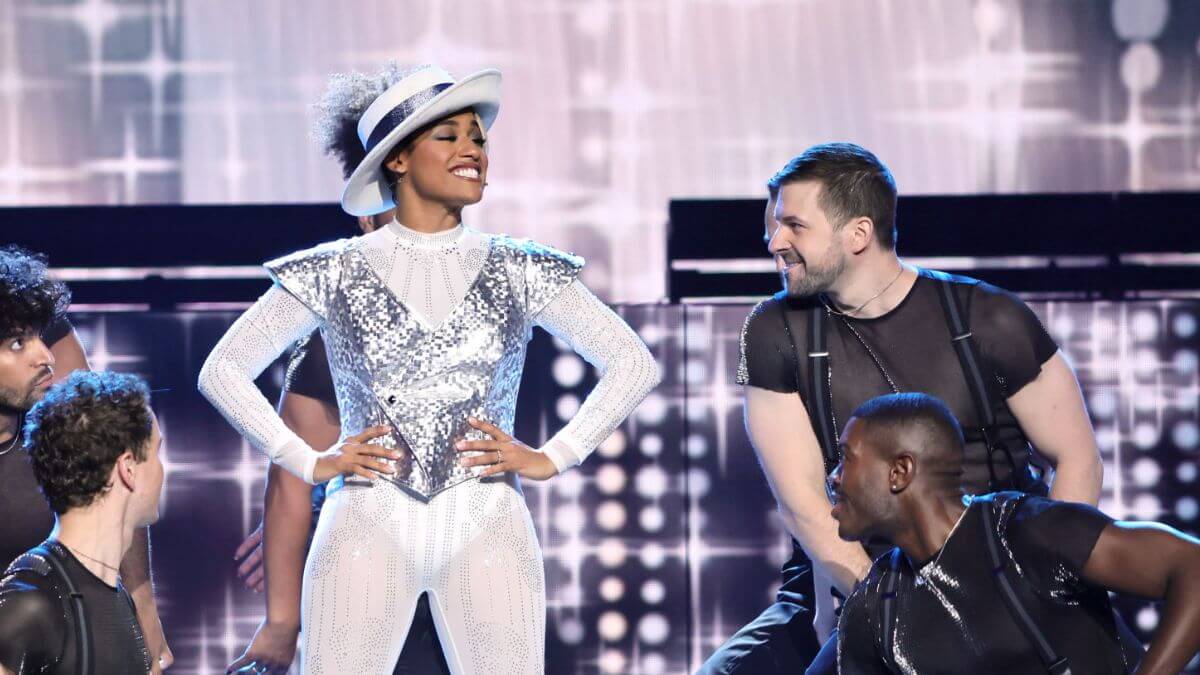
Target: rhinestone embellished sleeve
x=255, y=340
x=627, y=370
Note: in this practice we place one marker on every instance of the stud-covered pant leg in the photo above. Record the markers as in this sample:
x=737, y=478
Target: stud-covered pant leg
x=472, y=547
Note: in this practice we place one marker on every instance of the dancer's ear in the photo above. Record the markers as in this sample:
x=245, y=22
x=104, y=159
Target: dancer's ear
x=902, y=473
x=123, y=470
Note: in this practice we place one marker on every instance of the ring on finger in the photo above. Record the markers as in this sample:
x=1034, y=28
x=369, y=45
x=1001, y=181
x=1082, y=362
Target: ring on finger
x=499, y=456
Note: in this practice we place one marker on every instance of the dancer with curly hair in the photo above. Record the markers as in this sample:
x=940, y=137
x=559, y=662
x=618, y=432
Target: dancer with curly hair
x=93, y=445
x=38, y=347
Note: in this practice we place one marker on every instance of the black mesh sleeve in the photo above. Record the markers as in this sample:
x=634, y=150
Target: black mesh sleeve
x=765, y=358
x=1011, y=338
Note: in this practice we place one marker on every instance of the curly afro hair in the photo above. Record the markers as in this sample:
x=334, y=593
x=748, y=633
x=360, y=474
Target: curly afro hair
x=75, y=434
x=336, y=115
x=29, y=299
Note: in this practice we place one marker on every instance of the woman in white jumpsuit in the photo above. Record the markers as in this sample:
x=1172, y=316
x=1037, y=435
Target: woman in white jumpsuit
x=425, y=323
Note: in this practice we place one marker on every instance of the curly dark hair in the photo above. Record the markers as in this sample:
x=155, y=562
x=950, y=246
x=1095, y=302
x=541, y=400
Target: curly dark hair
x=75, y=434
x=336, y=115
x=29, y=299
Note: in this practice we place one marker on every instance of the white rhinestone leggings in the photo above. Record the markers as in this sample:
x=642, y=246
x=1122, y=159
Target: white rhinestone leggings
x=472, y=548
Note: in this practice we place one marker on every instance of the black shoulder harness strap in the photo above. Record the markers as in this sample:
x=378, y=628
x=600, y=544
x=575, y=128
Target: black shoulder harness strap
x=960, y=337
x=1054, y=664
x=817, y=385
x=891, y=580
x=820, y=403
x=47, y=554
x=887, y=609
x=968, y=358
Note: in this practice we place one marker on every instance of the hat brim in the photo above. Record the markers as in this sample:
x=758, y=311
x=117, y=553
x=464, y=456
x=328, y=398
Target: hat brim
x=367, y=191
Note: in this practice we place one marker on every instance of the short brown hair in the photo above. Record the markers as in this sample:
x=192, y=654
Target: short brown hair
x=854, y=184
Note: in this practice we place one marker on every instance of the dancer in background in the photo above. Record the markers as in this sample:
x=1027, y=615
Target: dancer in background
x=93, y=443
x=425, y=322
x=38, y=346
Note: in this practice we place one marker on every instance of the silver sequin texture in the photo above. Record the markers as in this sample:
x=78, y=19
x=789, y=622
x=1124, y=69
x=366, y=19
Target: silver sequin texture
x=389, y=368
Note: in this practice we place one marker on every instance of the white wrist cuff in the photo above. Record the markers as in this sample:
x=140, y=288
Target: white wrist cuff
x=294, y=455
x=564, y=452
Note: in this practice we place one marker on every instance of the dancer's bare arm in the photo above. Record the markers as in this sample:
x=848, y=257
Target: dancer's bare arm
x=1051, y=412
x=1156, y=562
x=136, y=576
x=790, y=455
x=288, y=507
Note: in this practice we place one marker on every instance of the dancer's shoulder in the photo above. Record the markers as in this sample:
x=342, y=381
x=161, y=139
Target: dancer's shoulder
x=312, y=275
x=531, y=252
x=539, y=271
x=768, y=315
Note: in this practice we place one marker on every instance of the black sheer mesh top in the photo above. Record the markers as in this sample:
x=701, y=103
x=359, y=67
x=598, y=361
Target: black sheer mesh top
x=909, y=348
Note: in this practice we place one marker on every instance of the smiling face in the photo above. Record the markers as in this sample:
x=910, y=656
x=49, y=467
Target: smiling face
x=446, y=163
x=859, y=486
x=26, y=366
x=808, y=249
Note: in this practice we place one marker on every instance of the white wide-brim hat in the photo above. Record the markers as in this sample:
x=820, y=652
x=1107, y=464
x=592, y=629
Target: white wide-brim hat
x=425, y=96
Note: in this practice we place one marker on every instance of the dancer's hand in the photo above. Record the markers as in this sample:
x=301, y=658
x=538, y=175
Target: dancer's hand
x=160, y=652
x=354, y=457
x=250, y=571
x=504, y=453
x=271, y=651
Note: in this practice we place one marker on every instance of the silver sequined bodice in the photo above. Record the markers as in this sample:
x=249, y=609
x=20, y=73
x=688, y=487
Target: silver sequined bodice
x=390, y=368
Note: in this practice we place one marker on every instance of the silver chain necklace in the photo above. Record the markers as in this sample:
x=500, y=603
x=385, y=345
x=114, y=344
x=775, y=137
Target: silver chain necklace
x=874, y=357
x=16, y=436
x=878, y=364
x=84, y=555
x=873, y=298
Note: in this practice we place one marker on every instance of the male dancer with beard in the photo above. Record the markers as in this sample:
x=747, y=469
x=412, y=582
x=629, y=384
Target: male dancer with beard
x=855, y=322
x=37, y=347
x=93, y=443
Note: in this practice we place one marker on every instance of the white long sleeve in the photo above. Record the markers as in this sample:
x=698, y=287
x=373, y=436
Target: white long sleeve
x=627, y=370
x=252, y=343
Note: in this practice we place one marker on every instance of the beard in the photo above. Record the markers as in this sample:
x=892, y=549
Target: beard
x=17, y=401
x=818, y=277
